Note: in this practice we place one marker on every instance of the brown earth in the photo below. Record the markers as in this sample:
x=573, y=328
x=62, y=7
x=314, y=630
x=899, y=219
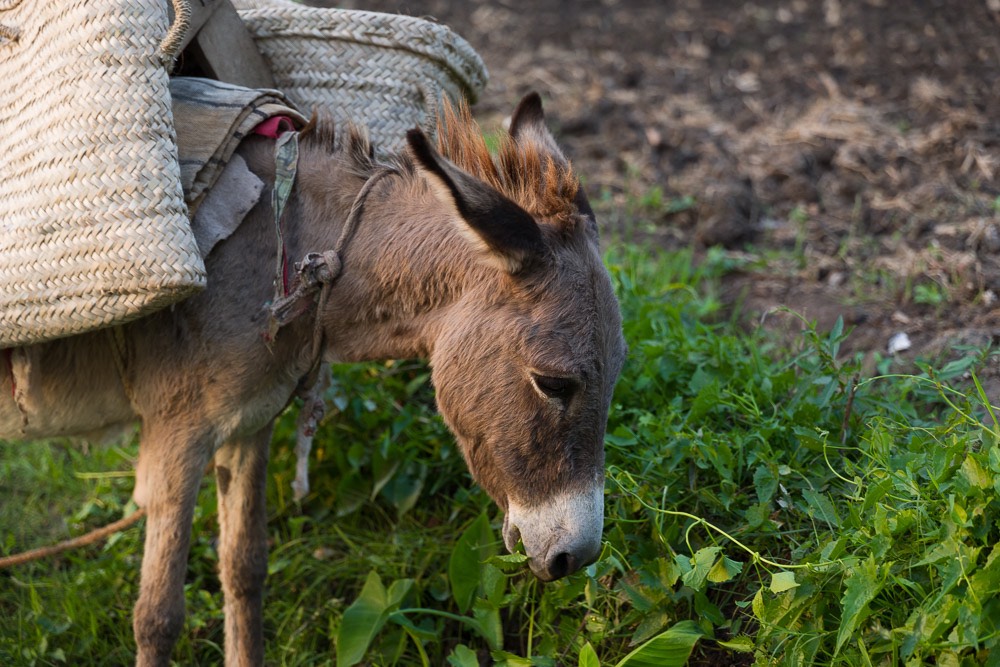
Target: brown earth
x=847, y=152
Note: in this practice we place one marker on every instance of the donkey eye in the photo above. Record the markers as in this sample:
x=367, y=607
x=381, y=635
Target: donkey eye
x=559, y=388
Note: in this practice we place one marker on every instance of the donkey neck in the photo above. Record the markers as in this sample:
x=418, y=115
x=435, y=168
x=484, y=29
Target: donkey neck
x=404, y=264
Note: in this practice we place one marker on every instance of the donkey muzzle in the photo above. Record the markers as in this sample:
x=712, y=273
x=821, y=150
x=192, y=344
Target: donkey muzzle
x=560, y=534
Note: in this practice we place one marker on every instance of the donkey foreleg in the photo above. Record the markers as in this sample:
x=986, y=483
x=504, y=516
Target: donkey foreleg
x=241, y=474
x=170, y=469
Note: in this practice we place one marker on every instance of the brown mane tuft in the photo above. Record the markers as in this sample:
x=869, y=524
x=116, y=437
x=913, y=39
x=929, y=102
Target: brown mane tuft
x=348, y=140
x=525, y=171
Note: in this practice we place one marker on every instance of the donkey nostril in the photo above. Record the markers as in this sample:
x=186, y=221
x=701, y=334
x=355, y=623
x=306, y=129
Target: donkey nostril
x=561, y=565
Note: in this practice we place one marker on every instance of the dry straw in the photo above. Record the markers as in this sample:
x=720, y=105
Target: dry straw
x=93, y=226
x=384, y=70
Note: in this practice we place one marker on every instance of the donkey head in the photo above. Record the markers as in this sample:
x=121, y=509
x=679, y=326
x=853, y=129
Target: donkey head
x=527, y=358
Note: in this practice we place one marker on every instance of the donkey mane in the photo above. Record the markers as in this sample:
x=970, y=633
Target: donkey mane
x=525, y=169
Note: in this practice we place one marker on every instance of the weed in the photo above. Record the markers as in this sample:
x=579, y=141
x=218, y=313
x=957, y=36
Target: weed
x=763, y=505
x=929, y=293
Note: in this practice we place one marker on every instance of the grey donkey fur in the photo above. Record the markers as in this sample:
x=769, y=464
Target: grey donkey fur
x=487, y=266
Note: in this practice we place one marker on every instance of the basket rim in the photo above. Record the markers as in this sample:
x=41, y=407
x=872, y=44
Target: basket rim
x=433, y=41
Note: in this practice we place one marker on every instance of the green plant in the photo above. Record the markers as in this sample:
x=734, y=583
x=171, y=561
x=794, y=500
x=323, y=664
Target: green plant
x=765, y=503
x=929, y=294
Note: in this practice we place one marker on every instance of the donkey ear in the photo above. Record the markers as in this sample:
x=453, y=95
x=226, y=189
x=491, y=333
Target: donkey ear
x=507, y=233
x=527, y=123
x=528, y=113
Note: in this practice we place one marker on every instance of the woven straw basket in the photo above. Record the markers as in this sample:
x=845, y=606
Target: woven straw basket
x=383, y=70
x=93, y=226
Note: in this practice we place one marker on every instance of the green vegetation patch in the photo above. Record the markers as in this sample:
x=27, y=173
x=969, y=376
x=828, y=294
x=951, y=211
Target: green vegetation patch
x=766, y=504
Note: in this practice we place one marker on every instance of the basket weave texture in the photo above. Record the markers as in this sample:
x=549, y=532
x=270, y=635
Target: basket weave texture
x=386, y=71
x=93, y=225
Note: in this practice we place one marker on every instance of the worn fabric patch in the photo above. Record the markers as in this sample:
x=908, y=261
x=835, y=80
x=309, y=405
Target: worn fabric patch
x=229, y=201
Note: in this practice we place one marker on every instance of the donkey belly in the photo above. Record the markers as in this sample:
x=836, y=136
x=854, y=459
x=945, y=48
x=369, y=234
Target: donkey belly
x=66, y=387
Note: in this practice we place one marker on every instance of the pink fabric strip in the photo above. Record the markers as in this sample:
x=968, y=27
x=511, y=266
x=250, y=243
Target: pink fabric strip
x=274, y=127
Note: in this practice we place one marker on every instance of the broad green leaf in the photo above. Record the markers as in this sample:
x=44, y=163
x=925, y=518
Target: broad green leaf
x=701, y=379
x=669, y=649
x=588, y=657
x=876, y=491
x=758, y=604
x=650, y=624
x=492, y=584
x=739, y=643
x=403, y=489
x=361, y=622
x=783, y=581
x=832, y=550
x=995, y=459
x=366, y=616
x=463, y=656
x=861, y=587
x=383, y=468
x=423, y=634
x=821, y=507
x=701, y=565
x=465, y=564
x=757, y=515
x=765, y=483
x=488, y=621
x=352, y=491
x=505, y=659
x=724, y=569
x=621, y=437
x=706, y=399
x=927, y=626
x=937, y=552
x=398, y=591
x=508, y=563
x=704, y=608
x=987, y=578
x=947, y=658
x=975, y=474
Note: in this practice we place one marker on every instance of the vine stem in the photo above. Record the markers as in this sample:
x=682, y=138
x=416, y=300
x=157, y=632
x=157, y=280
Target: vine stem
x=93, y=536
x=757, y=557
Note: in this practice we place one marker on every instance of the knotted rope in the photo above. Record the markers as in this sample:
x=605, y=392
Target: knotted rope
x=315, y=273
x=318, y=271
x=172, y=41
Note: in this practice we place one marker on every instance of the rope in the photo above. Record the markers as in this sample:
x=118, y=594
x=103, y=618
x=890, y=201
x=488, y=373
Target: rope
x=93, y=536
x=318, y=271
x=174, y=38
x=9, y=33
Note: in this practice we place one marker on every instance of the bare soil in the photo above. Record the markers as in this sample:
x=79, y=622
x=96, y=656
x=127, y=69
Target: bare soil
x=847, y=152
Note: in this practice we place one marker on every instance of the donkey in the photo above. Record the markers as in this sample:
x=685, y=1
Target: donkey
x=487, y=265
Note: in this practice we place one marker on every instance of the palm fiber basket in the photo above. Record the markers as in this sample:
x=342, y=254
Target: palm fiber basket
x=93, y=226
x=386, y=71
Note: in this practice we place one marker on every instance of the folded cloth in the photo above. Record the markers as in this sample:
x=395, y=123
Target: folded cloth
x=223, y=208
x=212, y=118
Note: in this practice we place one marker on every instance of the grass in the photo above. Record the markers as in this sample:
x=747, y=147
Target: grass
x=765, y=505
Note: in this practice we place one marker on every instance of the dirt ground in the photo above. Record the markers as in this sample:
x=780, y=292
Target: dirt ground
x=847, y=151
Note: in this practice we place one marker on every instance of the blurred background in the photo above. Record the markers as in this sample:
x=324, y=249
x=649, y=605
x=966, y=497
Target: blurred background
x=851, y=149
